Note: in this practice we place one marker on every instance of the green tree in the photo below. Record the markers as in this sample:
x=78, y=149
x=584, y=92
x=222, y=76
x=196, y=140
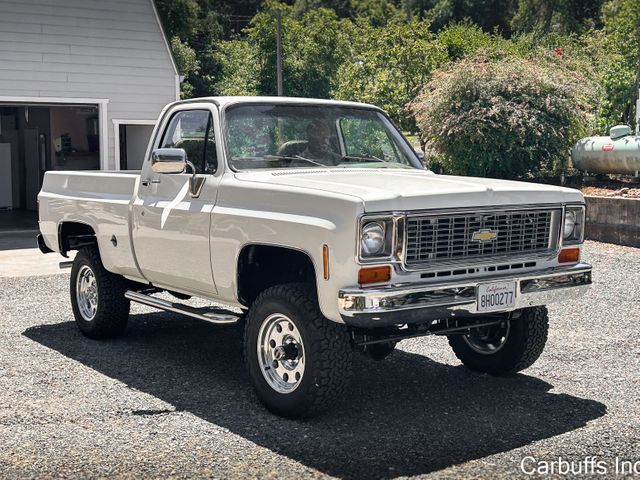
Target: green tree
x=377, y=12
x=619, y=61
x=187, y=63
x=342, y=8
x=487, y=14
x=314, y=46
x=389, y=65
x=179, y=17
x=563, y=16
x=194, y=30
x=238, y=68
x=506, y=118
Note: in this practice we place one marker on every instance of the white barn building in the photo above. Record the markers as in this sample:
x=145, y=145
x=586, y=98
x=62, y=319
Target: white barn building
x=81, y=85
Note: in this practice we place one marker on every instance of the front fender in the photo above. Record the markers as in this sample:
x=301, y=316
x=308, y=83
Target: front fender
x=233, y=229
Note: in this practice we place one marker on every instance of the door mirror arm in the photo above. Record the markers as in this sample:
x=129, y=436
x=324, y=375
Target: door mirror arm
x=195, y=183
x=190, y=165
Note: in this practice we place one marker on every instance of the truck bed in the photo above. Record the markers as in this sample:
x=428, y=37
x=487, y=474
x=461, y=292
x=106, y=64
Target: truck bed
x=99, y=199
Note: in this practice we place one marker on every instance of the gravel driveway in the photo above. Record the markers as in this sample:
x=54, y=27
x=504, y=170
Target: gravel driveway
x=171, y=398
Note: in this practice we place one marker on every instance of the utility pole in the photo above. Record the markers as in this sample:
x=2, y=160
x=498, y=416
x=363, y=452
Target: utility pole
x=279, y=51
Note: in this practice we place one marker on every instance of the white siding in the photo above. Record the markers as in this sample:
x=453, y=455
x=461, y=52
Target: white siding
x=98, y=49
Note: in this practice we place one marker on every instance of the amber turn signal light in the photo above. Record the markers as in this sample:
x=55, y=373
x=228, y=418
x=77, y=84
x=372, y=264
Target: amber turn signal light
x=325, y=260
x=569, y=255
x=374, y=274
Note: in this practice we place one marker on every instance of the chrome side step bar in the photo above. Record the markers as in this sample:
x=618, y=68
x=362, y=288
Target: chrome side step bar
x=208, y=314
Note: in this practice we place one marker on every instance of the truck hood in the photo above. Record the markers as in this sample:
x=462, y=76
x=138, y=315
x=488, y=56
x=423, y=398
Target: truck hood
x=400, y=189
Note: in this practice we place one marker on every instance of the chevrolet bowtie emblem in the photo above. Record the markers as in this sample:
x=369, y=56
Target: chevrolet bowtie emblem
x=485, y=235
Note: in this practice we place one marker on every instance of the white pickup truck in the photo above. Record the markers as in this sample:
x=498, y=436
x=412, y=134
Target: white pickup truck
x=317, y=221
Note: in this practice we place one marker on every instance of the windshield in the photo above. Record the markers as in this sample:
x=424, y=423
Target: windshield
x=313, y=136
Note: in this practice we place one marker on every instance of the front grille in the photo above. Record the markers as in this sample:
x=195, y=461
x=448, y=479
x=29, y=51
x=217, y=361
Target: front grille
x=468, y=236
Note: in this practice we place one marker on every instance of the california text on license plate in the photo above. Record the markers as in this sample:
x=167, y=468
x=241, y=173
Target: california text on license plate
x=493, y=297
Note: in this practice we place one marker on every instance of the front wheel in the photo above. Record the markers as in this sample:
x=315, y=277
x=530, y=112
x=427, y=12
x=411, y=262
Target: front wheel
x=299, y=362
x=511, y=346
x=97, y=296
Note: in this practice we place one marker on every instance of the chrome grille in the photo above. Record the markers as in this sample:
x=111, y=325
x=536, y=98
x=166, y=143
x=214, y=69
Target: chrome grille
x=464, y=236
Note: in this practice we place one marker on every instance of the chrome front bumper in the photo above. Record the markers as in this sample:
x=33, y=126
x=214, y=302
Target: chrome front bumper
x=416, y=303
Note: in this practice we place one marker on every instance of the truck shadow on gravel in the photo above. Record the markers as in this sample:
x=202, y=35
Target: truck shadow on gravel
x=407, y=415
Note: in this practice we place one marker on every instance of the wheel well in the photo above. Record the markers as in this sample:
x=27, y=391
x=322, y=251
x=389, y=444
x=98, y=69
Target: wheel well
x=74, y=235
x=263, y=266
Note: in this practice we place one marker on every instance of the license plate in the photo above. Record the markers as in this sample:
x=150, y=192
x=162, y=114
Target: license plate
x=497, y=296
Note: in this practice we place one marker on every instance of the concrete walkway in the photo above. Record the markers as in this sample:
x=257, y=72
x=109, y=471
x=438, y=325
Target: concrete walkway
x=20, y=257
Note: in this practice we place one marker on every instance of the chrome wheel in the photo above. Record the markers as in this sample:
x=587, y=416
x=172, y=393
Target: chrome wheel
x=281, y=353
x=488, y=340
x=87, y=293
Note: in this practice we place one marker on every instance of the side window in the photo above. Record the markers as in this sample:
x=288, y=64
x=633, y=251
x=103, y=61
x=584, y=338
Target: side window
x=192, y=130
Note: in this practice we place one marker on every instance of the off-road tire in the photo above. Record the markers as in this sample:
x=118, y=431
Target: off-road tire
x=112, y=312
x=328, y=353
x=524, y=344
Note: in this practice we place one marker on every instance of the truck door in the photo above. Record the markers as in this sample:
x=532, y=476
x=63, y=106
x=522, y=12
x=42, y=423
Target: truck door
x=170, y=224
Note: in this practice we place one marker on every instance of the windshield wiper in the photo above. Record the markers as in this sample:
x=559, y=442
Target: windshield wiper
x=294, y=157
x=364, y=158
x=311, y=161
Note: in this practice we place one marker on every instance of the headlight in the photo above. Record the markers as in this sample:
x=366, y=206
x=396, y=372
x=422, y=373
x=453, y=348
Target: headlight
x=573, y=229
x=376, y=238
x=372, y=240
x=569, y=223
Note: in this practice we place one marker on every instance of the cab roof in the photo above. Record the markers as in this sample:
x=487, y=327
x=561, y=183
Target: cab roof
x=225, y=101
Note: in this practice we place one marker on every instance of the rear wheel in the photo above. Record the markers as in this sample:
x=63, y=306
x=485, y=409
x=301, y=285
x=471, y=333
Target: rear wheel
x=97, y=297
x=299, y=362
x=511, y=346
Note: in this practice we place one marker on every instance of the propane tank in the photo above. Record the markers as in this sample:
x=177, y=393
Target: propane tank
x=617, y=153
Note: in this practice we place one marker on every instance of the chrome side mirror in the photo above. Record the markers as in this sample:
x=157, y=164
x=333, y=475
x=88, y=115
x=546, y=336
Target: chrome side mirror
x=419, y=154
x=174, y=160
x=169, y=160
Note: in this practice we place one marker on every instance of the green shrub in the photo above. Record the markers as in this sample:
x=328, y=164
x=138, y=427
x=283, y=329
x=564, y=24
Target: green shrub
x=505, y=117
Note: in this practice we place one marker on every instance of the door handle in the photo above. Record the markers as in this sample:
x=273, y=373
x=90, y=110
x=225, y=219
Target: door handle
x=145, y=183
